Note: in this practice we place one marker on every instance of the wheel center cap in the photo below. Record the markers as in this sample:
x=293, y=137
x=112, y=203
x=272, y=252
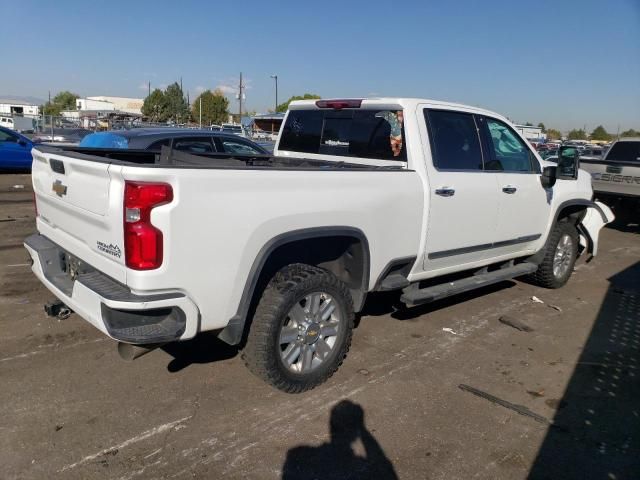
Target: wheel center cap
x=312, y=333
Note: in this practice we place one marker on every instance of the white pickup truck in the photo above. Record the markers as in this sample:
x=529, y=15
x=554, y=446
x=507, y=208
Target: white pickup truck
x=616, y=177
x=278, y=253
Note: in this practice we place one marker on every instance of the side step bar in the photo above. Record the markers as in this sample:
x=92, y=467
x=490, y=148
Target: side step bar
x=412, y=295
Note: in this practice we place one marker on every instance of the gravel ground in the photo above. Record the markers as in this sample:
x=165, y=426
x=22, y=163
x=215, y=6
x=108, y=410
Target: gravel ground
x=71, y=408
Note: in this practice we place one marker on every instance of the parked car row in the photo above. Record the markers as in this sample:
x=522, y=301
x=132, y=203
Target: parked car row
x=15, y=149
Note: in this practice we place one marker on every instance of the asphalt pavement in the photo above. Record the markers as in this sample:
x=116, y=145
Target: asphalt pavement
x=443, y=391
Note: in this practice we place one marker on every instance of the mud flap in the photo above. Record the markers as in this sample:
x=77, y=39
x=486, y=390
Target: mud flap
x=589, y=228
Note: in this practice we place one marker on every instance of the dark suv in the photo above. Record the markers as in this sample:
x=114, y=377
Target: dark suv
x=193, y=141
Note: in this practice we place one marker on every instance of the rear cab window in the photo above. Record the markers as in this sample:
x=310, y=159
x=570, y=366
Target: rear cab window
x=625, y=151
x=368, y=133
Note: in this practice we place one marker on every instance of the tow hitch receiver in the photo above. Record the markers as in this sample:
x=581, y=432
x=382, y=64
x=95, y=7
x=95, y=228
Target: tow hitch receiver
x=57, y=309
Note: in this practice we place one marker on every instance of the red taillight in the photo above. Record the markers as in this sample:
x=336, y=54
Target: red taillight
x=143, y=241
x=338, y=104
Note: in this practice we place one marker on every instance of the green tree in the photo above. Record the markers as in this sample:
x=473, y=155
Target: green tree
x=630, y=133
x=64, y=100
x=215, y=107
x=579, y=134
x=177, y=107
x=155, y=106
x=541, y=125
x=553, y=134
x=599, y=133
x=307, y=96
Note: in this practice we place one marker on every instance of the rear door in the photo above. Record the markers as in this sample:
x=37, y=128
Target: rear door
x=463, y=201
x=523, y=204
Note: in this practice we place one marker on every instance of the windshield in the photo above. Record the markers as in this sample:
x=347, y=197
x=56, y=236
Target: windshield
x=104, y=140
x=625, y=152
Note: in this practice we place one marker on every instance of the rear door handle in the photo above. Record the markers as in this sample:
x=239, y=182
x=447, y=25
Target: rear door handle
x=509, y=189
x=445, y=192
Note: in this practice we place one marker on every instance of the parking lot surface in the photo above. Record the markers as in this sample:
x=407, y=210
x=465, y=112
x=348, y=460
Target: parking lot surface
x=558, y=401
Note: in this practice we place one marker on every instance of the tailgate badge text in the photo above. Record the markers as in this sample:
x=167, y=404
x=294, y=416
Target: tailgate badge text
x=111, y=249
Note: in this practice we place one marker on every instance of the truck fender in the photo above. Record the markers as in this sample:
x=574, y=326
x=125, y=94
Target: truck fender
x=595, y=218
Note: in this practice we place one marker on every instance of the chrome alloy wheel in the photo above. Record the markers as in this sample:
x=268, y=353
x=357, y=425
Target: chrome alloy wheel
x=310, y=332
x=562, y=256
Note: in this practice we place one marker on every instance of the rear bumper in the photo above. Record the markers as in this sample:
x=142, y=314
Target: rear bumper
x=110, y=306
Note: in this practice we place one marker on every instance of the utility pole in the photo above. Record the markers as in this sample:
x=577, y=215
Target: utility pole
x=275, y=77
x=149, y=83
x=240, y=93
x=200, y=109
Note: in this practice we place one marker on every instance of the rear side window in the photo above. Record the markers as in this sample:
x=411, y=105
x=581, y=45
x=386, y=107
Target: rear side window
x=193, y=145
x=376, y=134
x=238, y=147
x=159, y=144
x=625, y=152
x=454, y=140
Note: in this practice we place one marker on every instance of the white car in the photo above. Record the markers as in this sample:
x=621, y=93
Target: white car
x=278, y=253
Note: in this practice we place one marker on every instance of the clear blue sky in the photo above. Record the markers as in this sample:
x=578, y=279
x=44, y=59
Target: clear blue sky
x=565, y=63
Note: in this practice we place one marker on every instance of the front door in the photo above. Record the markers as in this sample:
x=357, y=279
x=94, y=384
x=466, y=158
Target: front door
x=463, y=198
x=524, y=205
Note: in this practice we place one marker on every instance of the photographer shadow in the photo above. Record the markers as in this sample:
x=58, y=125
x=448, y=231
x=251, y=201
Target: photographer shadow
x=337, y=459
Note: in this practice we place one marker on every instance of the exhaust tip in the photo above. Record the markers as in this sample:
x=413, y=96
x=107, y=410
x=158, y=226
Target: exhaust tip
x=130, y=352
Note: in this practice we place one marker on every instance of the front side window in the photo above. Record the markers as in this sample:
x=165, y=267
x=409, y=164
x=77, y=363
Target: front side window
x=454, y=140
x=506, y=151
x=193, y=145
x=365, y=133
x=7, y=137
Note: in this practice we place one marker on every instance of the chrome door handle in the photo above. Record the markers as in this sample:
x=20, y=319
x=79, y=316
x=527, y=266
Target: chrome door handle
x=509, y=189
x=445, y=192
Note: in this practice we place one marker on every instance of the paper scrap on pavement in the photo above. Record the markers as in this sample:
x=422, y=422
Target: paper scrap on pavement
x=449, y=330
x=536, y=299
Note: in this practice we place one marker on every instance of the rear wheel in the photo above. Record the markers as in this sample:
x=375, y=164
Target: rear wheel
x=560, y=256
x=301, y=330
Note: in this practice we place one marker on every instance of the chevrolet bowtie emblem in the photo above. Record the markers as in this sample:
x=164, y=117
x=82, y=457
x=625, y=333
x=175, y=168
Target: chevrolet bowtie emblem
x=59, y=188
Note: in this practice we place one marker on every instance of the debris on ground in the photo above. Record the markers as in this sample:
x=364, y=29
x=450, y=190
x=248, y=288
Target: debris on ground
x=449, y=330
x=519, y=409
x=536, y=393
x=18, y=186
x=555, y=307
x=536, y=299
x=515, y=323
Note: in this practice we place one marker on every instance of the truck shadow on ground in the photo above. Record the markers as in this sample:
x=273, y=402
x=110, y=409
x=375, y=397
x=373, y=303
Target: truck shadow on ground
x=337, y=459
x=204, y=348
x=207, y=348
x=385, y=303
x=596, y=429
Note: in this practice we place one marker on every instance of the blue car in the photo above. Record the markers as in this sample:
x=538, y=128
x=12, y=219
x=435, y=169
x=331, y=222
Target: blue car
x=15, y=150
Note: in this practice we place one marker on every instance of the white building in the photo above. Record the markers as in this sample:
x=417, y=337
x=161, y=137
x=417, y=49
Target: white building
x=531, y=133
x=91, y=104
x=18, y=107
x=123, y=104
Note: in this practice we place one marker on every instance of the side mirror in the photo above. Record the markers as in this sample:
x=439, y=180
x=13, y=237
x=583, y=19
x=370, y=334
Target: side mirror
x=548, y=177
x=568, y=163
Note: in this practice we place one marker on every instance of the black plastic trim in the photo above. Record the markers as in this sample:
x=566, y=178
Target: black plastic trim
x=232, y=333
x=485, y=246
x=580, y=202
x=406, y=263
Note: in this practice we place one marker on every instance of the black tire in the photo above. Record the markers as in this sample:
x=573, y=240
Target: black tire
x=545, y=276
x=288, y=287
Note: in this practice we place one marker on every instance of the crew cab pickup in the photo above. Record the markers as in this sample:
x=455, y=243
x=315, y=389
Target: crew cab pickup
x=278, y=253
x=616, y=177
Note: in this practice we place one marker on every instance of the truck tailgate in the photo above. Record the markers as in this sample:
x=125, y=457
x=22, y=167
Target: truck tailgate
x=613, y=177
x=79, y=204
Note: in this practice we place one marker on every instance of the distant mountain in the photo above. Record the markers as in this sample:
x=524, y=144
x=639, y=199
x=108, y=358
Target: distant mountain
x=32, y=100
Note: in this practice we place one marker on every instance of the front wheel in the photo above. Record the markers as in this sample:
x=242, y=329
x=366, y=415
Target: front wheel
x=561, y=251
x=301, y=330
